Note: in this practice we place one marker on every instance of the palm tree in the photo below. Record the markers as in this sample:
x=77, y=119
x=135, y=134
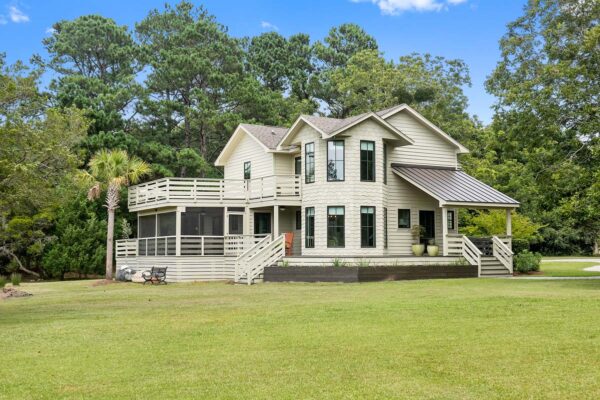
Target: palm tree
x=110, y=170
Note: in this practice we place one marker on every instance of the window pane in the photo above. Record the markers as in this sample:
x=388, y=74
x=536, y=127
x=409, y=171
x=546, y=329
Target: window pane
x=247, y=170
x=166, y=224
x=310, y=228
x=205, y=221
x=367, y=161
x=335, y=160
x=367, y=226
x=298, y=220
x=297, y=165
x=385, y=164
x=236, y=224
x=403, y=218
x=309, y=167
x=147, y=226
x=335, y=227
x=385, y=226
x=450, y=219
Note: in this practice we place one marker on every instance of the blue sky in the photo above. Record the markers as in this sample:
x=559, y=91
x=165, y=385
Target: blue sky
x=465, y=29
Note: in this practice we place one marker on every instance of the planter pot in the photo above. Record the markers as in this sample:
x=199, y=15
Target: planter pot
x=433, y=250
x=418, y=249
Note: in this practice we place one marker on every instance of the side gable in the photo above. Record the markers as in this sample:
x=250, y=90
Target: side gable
x=232, y=143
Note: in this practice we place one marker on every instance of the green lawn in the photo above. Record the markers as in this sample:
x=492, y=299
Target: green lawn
x=443, y=339
x=566, y=268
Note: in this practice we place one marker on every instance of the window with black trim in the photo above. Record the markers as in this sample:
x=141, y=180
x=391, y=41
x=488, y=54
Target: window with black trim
x=309, y=163
x=309, y=227
x=298, y=220
x=403, y=218
x=385, y=226
x=367, y=161
x=335, y=226
x=367, y=226
x=385, y=164
x=450, y=219
x=247, y=170
x=297, y=165
x=335, y=160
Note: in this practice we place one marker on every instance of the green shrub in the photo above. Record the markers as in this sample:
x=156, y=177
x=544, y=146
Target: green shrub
x=527, y=261
x=336, y=262
x=2, y=281
x=363, y=262
x=15, y=278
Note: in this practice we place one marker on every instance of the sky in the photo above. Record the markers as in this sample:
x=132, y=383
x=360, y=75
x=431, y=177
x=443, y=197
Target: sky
x=464, y=29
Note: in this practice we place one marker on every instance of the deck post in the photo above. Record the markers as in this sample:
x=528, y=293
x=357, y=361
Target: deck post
x=178, y=232
x=444, y=231
x=275, y=222
x=508, y=222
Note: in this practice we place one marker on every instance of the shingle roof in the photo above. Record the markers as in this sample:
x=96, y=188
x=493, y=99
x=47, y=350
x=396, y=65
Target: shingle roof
x=452, y=186
x=270, y=136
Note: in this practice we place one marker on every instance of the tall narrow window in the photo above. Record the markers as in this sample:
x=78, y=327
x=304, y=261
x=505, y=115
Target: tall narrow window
x=309, y=228
x=309, y=163
x=403, y=218
x=367, y=161
x=297, y=165
x=298, y=220
x=335, y=227
x=247, y=170
x=236, y=224
x=451, y=219
x=385, y=163
x=367, y=227
x=385, y=226
x=335, y=160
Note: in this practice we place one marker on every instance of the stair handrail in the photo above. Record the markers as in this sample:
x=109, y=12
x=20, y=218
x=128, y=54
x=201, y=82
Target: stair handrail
x=471, y=253
x=268, y=255
x=502, y=253
x=246, y=255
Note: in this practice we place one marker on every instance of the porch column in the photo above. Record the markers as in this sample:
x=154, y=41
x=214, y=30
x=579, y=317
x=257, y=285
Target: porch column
x=444, y=231
x=246, y=223
x=508, y=222
x=178, y=231
x=275, y=222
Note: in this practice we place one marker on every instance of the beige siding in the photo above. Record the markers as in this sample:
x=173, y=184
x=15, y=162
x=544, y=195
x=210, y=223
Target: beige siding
x=429, y=147
x=181, y=269
x=283, y=164
x=247, y=149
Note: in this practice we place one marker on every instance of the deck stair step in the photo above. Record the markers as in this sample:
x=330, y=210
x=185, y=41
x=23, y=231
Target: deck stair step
x=492, y=267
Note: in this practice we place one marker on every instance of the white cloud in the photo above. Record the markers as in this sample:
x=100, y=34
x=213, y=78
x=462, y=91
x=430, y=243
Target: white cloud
x=50, y=30
x=17, y=15
x=268, y=25
x=395, y=7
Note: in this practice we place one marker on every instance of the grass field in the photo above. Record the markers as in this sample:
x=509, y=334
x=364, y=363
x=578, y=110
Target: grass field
x=566, y=268
x=446, y=339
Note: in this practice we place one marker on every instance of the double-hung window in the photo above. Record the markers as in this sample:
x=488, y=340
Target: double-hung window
x=309, y=228
x=335, y=226
x=451, y=219
x=335, y=160
x=367, y=161
x=367, y=226
x=309, y=162
x=403, y=218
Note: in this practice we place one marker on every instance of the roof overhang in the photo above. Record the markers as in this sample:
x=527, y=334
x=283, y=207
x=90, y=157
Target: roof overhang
x=404, y=107
x=454, y=188
x=230, y=145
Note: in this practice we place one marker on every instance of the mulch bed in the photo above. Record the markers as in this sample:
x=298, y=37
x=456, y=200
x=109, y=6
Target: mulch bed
x=9, y=292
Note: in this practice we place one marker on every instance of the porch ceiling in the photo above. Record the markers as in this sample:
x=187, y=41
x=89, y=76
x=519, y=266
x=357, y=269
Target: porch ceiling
x=453, y=187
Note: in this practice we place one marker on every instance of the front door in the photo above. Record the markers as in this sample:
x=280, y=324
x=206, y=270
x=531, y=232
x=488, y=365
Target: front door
x=427, y=221
x=262, y=223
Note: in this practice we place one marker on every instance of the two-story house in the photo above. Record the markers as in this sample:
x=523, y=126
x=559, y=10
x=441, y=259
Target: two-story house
x=342, y=188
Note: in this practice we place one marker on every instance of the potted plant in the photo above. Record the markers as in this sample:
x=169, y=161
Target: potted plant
x=417, y=232
x=433, y=249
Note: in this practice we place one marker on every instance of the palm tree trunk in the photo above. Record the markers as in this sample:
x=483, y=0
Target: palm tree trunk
x=110, y=233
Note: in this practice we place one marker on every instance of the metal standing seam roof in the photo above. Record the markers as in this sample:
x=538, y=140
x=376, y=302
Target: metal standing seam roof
x=270, y=136
x=452, y=186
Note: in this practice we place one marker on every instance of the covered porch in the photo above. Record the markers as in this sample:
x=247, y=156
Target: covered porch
x=454, y=190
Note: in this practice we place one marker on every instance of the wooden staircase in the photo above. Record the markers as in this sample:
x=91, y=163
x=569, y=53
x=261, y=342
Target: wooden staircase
x=492, y=267
x=250, y=265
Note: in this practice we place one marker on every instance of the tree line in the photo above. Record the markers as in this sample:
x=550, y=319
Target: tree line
x=171, y=89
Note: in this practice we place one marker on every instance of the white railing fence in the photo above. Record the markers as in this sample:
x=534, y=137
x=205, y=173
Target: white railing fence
x=471, y=253
x=242, y=260
x=157, y=246
x=185, y=190
x=502, y=253
x=126, y=248
x=265, y=257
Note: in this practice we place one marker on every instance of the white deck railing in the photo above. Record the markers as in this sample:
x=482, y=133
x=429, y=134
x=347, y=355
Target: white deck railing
x=254, y=261
x=227, y=245
x=191, y=190
x=460, y=245
x=502, y=253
